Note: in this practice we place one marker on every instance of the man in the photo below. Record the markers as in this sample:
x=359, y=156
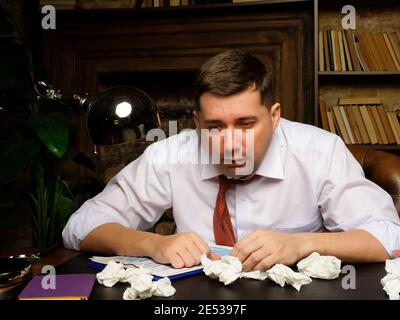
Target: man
x=303, y=181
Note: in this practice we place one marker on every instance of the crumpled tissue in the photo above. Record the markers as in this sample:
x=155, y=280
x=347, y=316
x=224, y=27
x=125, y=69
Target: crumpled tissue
x=131, y=273
x=143, y=287
x=111, y=274
x=391, y=282
x=282, y=274
x=141, y=281
x=320, y=267
x=227, y=270
x=256, y=275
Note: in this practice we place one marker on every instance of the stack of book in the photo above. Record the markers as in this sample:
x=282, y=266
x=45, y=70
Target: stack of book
x=343, y=50
x=60, y=4
x=361, y=121
x=109, y=4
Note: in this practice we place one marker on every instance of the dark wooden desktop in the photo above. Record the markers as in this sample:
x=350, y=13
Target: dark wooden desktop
x=200, y=287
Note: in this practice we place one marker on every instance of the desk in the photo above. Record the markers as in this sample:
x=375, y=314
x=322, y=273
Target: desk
x=368, y=285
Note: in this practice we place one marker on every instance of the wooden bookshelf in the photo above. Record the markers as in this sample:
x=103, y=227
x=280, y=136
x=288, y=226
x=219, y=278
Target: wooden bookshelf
x=374, y=17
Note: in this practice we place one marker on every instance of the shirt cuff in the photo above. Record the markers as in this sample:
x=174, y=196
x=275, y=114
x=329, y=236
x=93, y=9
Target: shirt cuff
x=386, y=232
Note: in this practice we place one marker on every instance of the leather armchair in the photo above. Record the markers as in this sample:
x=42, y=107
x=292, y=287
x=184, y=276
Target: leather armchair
x=382, y=168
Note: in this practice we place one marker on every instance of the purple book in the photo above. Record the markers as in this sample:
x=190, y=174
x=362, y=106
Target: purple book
x=67, y=287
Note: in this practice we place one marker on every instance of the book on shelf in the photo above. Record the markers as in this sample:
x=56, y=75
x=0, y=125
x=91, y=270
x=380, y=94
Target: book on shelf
x=352, y=52
x=341, y=126
x=347, y=125
x=394, y=122
x=344, y=50
x=331, y=120
x=60, y=4
x=361, y=120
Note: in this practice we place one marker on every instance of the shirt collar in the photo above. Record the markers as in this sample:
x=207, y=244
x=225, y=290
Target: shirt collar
x=271, y=165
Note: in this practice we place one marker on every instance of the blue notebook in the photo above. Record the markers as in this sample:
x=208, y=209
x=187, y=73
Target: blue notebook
x=158, y=270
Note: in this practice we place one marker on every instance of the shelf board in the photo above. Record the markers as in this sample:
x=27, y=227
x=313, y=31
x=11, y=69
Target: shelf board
x=378, y=146
x=92, y=11
x=359, y=73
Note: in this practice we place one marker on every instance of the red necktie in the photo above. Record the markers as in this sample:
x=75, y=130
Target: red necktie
x=223, y=230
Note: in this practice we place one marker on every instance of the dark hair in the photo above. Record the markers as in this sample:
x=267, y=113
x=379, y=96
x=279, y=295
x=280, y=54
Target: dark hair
x=231, y=72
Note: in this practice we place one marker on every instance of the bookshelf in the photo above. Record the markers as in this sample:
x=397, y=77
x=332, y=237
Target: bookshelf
x=372, y=17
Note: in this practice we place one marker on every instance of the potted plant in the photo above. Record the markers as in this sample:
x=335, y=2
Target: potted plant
x=35, y=139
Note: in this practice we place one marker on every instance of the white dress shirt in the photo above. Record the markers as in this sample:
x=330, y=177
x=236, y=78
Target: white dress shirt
x=309, y=182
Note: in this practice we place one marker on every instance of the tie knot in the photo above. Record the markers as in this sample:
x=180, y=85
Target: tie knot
x=225, y=183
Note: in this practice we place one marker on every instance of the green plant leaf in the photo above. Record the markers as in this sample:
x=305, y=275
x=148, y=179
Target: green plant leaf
x=53, y=131
x=15, y=154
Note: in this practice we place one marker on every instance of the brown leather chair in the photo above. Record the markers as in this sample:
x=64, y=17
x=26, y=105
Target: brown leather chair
x=382, y=168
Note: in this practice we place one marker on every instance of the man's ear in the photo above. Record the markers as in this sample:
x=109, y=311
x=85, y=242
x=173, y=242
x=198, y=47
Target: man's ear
x=196, y=119
x=275, y=114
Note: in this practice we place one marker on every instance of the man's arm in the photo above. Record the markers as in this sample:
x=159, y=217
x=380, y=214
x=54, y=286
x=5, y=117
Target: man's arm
x=262, y=249
x=180, y=250
x=351, y=246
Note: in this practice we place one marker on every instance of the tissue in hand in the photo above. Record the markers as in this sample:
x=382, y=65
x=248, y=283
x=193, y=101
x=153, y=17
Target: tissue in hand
x=226, y=270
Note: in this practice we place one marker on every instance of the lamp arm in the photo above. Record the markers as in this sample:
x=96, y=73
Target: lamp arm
x=46, y=92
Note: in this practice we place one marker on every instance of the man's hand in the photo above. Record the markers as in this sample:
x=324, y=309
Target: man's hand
x=262, y=249
x=180, y=250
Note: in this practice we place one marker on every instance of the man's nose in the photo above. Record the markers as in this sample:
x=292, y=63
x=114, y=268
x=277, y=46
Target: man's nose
x=232, y=142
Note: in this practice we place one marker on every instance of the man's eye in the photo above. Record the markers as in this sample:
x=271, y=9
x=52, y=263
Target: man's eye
x=247, y=124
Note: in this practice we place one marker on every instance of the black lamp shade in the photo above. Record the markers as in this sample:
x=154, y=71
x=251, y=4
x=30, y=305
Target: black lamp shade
x=120, y=114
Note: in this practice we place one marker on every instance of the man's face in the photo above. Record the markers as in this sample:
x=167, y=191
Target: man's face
x=240, y=111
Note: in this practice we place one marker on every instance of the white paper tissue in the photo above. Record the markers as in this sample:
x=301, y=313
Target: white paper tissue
x=143, y=288
x=141, y=281
x=320, y=267
x=256, y=275
x=391, y=282
x=282, y=274
x=229, y=269
x=163, y=288
x=111, y=274
x=226, y=270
